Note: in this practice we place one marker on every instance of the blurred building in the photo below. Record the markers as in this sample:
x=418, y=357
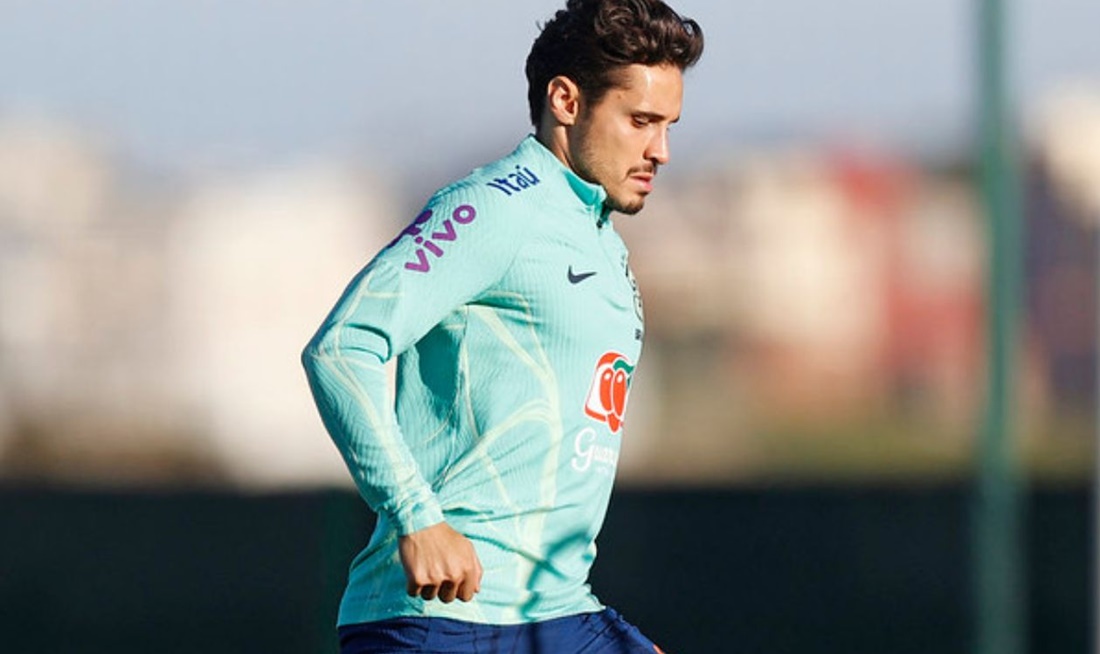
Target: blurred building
x=254, y=266
x=153, y=334
x=808, y=287
x=81, y=285
x=1063, y=214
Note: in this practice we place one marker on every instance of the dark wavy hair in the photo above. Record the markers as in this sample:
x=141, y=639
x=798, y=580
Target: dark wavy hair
x=592, y=41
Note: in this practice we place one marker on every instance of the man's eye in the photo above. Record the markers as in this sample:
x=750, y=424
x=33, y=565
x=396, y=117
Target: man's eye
x=640, y=121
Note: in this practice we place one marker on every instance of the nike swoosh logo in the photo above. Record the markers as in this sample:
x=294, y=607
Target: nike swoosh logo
x=575, y=278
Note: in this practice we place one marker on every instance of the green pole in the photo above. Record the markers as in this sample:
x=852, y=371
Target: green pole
x=998, y=558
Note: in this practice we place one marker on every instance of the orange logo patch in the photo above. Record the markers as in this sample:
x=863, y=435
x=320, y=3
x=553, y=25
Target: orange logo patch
x=606, y=400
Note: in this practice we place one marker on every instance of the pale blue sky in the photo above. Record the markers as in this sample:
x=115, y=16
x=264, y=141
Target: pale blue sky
x=185, y=82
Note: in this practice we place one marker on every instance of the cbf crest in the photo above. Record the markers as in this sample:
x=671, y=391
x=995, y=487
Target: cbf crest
x=638, y=310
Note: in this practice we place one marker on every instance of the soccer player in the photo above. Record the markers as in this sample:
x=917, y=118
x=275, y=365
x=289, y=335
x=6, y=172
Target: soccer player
x=516, y=324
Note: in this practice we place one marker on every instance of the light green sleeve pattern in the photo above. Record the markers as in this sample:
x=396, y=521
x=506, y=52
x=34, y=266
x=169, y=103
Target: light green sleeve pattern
x=384, y=311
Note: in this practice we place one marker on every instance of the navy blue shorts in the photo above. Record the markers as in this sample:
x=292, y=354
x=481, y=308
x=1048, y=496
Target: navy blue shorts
x=605, y=632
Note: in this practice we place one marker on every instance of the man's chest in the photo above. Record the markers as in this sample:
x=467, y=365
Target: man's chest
x=577, y=287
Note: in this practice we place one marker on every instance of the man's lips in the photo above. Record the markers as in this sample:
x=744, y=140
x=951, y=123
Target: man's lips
x=645, y=179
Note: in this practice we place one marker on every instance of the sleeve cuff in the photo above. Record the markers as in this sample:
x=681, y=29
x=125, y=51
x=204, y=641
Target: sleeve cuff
x=417, y=516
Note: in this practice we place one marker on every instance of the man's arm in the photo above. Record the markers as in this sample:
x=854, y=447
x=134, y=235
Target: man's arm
x=404, y=292
x=350, y=387
x=345, y=367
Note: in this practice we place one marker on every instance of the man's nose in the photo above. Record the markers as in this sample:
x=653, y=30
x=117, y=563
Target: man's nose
x=658, y=152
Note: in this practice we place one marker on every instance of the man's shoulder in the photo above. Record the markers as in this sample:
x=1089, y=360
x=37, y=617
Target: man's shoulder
x=486, y=201
x=465, y=199
x=514, y=177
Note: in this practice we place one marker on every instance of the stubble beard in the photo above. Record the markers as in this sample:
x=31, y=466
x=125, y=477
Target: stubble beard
x=629, y=209
x=611, y=203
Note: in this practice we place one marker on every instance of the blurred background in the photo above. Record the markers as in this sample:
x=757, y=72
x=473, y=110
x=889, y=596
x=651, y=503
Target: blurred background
x=186, y=187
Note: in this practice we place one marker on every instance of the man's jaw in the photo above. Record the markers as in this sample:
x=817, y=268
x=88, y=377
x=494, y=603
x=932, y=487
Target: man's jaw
x=631, y=204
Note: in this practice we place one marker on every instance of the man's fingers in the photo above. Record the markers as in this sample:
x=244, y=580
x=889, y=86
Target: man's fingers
x=466, y=590
x=447, y=592
x=417, y=588
x=440, y=563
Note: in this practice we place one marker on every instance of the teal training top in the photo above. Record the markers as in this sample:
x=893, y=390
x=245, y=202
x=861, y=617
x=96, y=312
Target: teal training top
x=517, y=325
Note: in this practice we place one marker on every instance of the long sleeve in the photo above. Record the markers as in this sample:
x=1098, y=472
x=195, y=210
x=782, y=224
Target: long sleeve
x=448, y=256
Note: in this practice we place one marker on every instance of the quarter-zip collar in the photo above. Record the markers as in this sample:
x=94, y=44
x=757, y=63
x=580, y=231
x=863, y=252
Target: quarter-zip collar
x=592, y=196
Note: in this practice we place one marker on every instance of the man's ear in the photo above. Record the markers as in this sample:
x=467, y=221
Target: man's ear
x=563, y=100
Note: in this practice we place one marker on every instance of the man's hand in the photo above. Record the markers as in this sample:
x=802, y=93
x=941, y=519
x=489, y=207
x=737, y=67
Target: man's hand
x=440, y=562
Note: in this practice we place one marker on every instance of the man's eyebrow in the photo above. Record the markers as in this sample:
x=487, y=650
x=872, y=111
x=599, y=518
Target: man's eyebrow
x=651, y=115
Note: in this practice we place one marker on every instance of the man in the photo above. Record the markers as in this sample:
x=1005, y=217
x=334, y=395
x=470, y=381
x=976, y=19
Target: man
x=517, y=325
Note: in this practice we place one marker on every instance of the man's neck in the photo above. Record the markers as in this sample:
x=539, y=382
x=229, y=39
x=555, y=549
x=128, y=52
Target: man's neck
x=556, y=140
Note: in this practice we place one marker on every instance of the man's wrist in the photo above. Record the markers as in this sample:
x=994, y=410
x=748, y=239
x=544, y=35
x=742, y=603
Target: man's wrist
x=417, y=516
